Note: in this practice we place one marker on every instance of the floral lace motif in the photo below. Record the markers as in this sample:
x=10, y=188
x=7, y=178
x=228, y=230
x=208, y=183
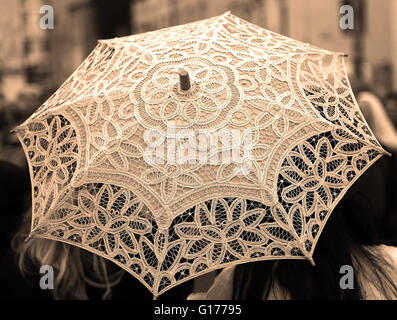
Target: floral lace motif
x=167, y=222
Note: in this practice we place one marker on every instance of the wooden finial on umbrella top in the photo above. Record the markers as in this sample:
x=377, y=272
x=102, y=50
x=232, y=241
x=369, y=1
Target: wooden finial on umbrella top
x=184, y=79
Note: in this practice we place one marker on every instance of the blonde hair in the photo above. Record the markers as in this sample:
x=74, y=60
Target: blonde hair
x=74, y=268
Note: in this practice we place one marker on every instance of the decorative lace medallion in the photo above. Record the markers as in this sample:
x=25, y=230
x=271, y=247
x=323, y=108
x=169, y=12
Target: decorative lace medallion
x=214, y=96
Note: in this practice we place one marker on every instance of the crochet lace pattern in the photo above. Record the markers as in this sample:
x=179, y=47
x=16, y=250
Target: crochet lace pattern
x=167, y=222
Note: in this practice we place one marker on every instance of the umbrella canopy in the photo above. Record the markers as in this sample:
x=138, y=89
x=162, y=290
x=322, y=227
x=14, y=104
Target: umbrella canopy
x=180, y=151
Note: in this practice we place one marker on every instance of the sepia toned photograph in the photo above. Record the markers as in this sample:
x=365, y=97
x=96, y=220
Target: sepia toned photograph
x=182, y=152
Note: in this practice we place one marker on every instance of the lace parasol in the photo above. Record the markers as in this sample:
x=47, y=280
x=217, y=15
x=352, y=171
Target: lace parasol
x=188, y=149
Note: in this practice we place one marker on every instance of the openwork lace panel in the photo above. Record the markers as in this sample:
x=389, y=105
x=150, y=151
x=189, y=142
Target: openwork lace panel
x=166, y=222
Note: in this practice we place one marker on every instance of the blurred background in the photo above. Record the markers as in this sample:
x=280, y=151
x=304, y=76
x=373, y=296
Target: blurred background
x=34, y=62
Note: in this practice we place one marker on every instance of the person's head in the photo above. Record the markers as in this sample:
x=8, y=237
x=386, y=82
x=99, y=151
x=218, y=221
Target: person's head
x=349, y=238
x=75, y=270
